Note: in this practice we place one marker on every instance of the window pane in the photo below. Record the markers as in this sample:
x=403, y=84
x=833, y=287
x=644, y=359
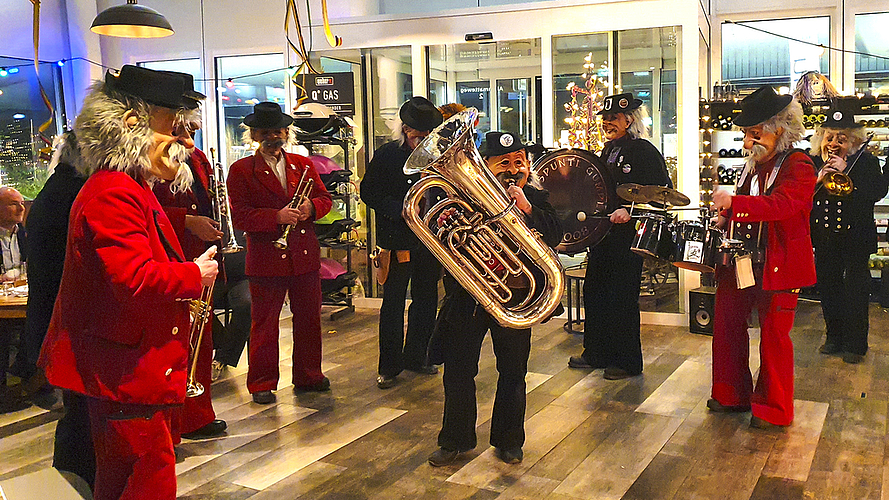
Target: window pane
x=752, y=58
x=24, y=156
x=391, y=85
x=242, y=82
x=570, y=55
x=871, y=36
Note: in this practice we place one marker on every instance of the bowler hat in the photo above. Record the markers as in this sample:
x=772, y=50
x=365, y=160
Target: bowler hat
x=419, y=113
x=268, y=115
x=161, y=88
x=761, y=105
x=501, y=143
x=620, y=103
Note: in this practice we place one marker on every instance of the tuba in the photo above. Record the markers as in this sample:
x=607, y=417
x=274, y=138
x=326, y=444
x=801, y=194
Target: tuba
x=485, y=243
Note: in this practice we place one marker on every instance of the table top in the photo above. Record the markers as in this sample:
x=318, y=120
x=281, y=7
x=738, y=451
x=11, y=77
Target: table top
x=13, y=306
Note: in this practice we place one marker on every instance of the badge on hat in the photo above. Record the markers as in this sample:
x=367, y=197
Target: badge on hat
x=506, y=140
x=838, y=116
x=623, y=103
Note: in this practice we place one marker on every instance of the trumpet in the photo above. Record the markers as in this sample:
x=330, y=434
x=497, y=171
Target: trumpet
x=839, y=183
x=303, y=189
x=201, y=309
x=221, y=206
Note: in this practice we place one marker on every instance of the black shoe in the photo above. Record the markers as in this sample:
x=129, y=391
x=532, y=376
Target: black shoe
x=386, y=381
x=582, y=363
x=322, y=386
x=510, y=456
x=213, y=429
x=424, y=370
x=442, y=456
x=615, y=373
x=758, y=423
x=852, y=358
x=717, y=407
x=830, y=348
x=264, y=397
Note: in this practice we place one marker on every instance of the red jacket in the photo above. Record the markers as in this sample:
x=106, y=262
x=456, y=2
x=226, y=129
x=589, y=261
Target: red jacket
x=118, y=331
x=256, y=196
x=790, y=261
x=178, y=205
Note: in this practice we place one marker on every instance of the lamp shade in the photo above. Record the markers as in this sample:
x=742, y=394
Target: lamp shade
x=131, y=21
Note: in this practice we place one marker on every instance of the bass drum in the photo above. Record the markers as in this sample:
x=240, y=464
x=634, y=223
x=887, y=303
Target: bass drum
x=579, y=186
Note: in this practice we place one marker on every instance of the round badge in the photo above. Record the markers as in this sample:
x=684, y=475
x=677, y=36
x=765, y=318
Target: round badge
x=837, y=116
x=623, y=103
x=506, y=140
x=626, y=168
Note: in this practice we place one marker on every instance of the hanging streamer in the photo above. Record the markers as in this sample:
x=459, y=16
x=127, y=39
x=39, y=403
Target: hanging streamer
x=334, y=41
x=46, y=100
x=305, y=67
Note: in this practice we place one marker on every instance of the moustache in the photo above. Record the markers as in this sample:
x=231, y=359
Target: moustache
x=177, y=153
x=756, y=152
x=508, y=179
x=273, y=143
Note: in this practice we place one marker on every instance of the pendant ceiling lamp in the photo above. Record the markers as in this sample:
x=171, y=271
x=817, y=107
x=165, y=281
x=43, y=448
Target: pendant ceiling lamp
x=131, y=21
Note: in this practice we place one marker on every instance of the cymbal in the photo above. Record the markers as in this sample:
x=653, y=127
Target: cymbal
x=663, y=194
x=632, y=192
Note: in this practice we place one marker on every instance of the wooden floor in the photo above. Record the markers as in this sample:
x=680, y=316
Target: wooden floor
x=647, y=437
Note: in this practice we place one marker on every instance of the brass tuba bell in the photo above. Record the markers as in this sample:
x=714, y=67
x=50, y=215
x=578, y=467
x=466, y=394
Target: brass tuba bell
x=487, y=246
x=837, y=184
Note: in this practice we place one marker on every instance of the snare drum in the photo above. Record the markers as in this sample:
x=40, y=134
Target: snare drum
x=728, y=250
x=653, y=236
x=696, y=247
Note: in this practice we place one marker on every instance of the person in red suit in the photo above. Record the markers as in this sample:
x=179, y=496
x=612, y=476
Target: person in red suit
x=187, y=203
x=118, y=333
x=260, y=189
x=769, y=213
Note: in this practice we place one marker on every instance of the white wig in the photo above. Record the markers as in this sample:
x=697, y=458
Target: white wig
x=638, y=129
x=247, y=137
x=791, y=120
x=66, y=151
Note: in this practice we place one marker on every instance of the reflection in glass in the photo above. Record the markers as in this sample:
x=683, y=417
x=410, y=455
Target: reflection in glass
x=242, y=82
x=24, y=155
x=871, y=73
x=390, y=85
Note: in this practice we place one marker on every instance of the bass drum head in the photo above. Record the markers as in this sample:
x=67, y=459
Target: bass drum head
x=579, y=186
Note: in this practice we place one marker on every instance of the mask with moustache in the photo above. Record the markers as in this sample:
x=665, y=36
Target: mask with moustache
x=508, y=179
x=272, y=144
x=756, y=153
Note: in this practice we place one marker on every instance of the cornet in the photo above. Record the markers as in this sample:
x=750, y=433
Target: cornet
x=201, y=310
x=303, y=189
x=221, y=207
x=486, y=244
x=839, y=183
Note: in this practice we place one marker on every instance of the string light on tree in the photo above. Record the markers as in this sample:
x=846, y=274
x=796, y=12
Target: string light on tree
x=584, y=127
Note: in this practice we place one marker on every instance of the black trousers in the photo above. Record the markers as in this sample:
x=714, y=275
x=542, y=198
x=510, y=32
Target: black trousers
x=73, y=447
x=844, y=287
x=397, y=350
x=463, y=334
x=229, y=341
x=611, y=304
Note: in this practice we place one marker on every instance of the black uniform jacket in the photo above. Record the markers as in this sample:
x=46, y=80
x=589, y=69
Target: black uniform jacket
x=458, y=303
x=635, y=161
x=383, y=189
x=850, y=216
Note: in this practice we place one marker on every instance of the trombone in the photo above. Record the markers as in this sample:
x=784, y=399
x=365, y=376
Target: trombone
x=303, y=189
x=221, y=206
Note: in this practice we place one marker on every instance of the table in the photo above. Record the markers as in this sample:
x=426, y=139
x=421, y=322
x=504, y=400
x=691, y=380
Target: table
x=574, y=288
x=12, y=306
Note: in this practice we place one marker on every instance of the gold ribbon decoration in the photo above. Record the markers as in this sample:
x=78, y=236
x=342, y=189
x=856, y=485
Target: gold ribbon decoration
x=334, y=41
x=46, y=101
x=305, y=67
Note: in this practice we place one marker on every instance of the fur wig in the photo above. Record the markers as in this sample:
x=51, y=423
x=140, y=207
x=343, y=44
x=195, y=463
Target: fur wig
x=66, y=151
x=804, y=91
x=247, y=137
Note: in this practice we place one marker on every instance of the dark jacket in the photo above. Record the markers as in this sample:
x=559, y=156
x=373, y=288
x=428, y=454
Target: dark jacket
x=22, y=237
x=383, y=189
x=47, y=227
x=856, y=211
x=637, y=161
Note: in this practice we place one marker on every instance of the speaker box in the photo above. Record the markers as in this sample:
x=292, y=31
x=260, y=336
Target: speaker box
x=701, y=303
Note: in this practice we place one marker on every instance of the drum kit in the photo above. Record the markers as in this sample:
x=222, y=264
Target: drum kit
x=695, y=245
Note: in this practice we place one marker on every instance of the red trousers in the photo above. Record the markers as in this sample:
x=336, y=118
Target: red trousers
x=305, y=303
x=772, y=398
x=198, y=411
x=134, y=451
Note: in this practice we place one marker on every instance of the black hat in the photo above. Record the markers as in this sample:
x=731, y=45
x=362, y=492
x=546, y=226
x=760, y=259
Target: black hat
x=761, y=105
x=420, y=114
x=161, y=88
x=620, y=103
x=501, y=143
x=191, y=98
x=268, y=115
x=842, y=114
